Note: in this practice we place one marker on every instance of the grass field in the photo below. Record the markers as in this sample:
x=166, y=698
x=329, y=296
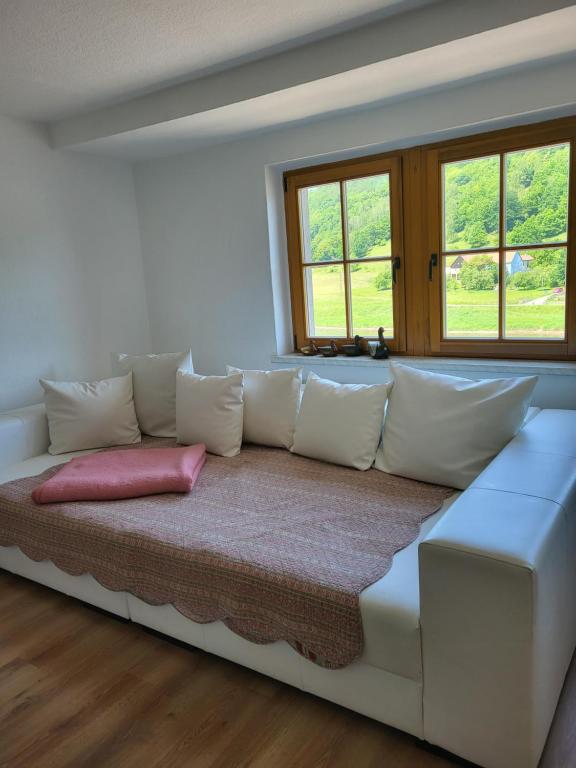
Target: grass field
x=468, y=313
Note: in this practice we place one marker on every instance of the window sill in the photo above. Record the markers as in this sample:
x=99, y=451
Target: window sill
x=440, y=364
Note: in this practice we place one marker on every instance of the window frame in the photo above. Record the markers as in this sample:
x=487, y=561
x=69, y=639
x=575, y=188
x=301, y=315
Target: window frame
x=416, y=208
x=294, y=181
x=498, y=143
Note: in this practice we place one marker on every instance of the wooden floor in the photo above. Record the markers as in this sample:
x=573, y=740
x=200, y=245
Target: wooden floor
x=80, y=688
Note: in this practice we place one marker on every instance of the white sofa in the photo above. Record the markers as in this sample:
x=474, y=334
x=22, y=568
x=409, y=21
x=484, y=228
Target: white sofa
x=469, y=635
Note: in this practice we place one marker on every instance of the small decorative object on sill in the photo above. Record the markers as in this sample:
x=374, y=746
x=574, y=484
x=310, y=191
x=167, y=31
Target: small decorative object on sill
x=380, y=350
x=353, y=350
x=310, y=350
x=365, y=345
x=330, y=350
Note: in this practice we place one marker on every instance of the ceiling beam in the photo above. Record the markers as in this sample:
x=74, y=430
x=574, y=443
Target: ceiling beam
x=416, y=30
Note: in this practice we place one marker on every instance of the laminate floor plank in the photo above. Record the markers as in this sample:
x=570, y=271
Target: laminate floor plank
x=80, y=689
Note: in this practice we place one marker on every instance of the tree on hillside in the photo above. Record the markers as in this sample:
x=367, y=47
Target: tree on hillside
x=471, y=202
x=383, y=281
x=367, y=207
x=535, y=205
x=370, y=235
x=479, y=274
x=476, y=235
x=327, y=247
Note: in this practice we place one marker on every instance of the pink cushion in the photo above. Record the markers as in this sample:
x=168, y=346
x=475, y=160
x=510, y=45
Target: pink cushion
x=124, y=474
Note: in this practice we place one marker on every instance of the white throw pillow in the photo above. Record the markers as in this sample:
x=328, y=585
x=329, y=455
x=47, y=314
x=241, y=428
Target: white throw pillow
x=271, y=400
x=340, y=423
x=90, y=414
x=209, y=410
x=445, y=429
x=155, y=388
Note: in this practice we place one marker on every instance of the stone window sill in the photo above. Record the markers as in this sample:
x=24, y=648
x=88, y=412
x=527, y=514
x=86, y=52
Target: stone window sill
x=441, y=364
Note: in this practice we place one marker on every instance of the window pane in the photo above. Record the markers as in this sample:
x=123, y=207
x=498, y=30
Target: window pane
x=537, y=195
x=471, y=296
x=536, y=294
x=371, y=290
x=321, y=223
x=368, y=217
x=471, y=190
x=325, y=302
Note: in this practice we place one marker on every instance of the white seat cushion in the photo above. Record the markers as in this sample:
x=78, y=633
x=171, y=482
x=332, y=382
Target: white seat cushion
x=390, y=611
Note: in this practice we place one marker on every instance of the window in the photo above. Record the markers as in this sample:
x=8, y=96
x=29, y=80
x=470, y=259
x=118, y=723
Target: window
x=461, y=248
x=504, y=260
x=503, y=244
x=346, y=252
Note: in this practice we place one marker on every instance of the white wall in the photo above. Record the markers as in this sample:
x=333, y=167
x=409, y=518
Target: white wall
x=209, y=229
x=216, y=273
x=204, y=239
x=71, y=283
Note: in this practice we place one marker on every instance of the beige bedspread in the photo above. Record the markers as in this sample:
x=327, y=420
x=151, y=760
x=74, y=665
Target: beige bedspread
x=275, y=545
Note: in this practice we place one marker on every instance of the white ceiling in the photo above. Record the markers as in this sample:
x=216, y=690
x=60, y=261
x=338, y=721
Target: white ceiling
x=141, y=78
x=431, y=47
x=537, y=41
x=65, y=57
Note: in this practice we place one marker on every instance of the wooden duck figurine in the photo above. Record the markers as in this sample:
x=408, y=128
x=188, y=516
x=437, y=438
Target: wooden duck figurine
x=380, y=350
x=309, y=350
x=353, y=350
x=330, y=350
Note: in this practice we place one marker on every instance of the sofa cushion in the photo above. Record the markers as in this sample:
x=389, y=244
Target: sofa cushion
x=90, y=414
x=391, y=610
x=154, y=380
x=209, y=410
x=271, y=400
x=446, y=429
x=340, y=423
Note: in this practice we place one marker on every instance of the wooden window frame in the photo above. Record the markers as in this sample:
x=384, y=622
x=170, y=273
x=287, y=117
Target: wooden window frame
x=338, y=172
x=417, y=226
x=499, y=143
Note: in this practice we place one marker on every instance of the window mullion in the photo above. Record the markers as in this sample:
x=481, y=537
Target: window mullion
x=502, y=253
x=347, y=291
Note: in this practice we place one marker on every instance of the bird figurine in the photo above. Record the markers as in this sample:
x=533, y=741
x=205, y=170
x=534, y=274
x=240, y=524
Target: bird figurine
x=330, y=350
x=353, y=350
x=380, y=350
x=309, y=350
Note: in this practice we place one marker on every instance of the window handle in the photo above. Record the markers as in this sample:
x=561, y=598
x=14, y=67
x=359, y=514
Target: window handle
x=395, y=267
x=431, y=264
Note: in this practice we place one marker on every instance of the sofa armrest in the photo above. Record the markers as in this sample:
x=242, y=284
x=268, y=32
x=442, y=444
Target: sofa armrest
x=23, y=434
x=498, y=606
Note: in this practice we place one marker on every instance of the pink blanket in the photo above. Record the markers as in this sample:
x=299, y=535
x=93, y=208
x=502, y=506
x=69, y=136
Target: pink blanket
x=124, y=474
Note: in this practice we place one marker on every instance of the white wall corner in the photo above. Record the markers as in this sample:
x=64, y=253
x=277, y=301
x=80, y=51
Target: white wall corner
x=278, y=259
